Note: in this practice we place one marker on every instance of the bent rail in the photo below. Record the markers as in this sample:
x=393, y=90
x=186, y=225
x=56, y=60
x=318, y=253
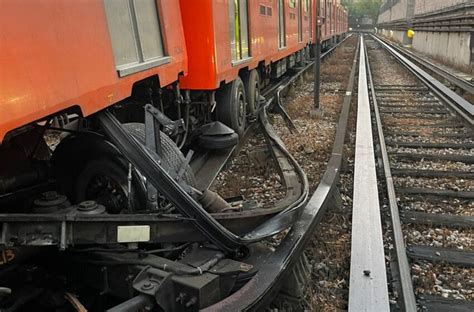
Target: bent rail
x=257, y=293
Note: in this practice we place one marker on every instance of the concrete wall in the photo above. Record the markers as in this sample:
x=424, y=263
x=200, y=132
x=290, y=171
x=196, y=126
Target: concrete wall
x=399, y=11
x=453, y=48
x=384, y=17
x=427, y=6
x=394, y=35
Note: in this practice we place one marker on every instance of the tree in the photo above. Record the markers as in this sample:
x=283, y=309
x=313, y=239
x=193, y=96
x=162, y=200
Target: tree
x=361, y=8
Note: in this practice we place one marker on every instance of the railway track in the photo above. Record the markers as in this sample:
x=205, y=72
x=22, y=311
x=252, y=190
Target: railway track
x=457, y=80
x=424, y=146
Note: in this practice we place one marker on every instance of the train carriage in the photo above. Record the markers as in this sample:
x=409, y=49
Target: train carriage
x=89, y=87
x=332, y=16
x=86, y=55
x=236, y=44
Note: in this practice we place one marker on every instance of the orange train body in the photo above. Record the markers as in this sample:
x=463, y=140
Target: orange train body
x=208, y=39
x=55, y=55
x=58, y=54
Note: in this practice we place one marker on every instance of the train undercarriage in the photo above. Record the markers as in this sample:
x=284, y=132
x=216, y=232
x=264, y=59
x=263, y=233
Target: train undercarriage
x=114, y=211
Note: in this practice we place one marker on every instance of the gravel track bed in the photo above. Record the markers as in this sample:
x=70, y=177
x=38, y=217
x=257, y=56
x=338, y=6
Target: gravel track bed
x=443, y=206
x=432, y=165
x=305, y=147
x=392, y=73
x=443, y=280
x=255, y=179
x=390, y=121
x=400, y=104
x=435, y=183
x=407, y=98
x=428, y=139
x=417, y=234
x=427, y=130
x=385, y=108
x=434, y=151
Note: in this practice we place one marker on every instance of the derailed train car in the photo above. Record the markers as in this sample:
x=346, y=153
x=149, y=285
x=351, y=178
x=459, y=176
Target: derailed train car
x=113, y=116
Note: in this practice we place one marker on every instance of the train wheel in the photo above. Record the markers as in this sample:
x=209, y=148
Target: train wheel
x=232, y=106
x=105, y=179
x=252, y=88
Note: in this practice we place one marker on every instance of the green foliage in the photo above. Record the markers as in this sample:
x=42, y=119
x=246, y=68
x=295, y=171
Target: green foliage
x=360, y=8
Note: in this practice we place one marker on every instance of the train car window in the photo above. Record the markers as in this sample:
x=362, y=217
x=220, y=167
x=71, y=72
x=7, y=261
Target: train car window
x=263, y=10
x=238, y=29
x=244, y=28
x=269, y=11
x=121, y=31
x=148, y=29
x=306, y=5
x=310, y=19
x=234, y=49
x=135, y=33
x=281, y=23
x=300, y=20
x=292, y=4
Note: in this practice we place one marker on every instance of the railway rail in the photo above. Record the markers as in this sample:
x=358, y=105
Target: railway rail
x=423, y=133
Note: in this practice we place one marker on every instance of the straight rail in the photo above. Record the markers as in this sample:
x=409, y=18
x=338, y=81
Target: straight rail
x=368, y=278
x=407, y=293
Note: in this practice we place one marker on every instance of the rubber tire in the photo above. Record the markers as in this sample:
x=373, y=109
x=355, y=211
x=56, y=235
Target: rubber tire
x=252, y=89
x=230, y=109
x=173, y=159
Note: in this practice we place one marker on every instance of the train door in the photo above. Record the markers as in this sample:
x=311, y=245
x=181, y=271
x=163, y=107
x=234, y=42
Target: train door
x=281, y=23
x=300, y=20
x=238, y=30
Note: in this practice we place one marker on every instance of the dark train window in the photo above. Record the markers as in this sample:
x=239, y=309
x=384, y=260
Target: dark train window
x=238, y=29
x=135, y=33
x=281, y=24
x=263, y=10
x=269, y=11
x=300, y=20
